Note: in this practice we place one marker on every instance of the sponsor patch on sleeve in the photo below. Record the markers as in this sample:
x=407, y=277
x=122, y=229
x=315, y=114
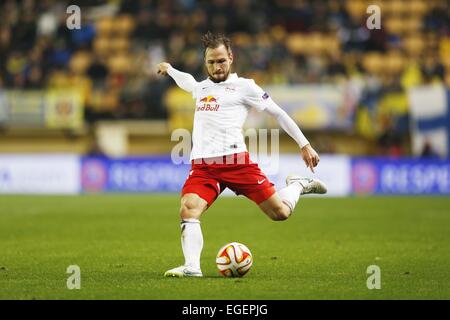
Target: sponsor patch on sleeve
x=265, y=96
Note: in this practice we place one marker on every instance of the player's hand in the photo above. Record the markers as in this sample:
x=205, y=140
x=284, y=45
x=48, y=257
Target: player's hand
x=310, y=157
x=162, y=68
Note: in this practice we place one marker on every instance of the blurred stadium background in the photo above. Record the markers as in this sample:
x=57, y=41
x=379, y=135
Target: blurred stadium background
x=82, y=111
x=93, y=91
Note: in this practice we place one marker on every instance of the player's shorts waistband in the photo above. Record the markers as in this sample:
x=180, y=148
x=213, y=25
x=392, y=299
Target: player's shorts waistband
x=234, y=158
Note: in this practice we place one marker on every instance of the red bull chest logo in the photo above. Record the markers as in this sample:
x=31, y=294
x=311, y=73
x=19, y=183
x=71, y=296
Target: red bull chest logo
x=208, y=103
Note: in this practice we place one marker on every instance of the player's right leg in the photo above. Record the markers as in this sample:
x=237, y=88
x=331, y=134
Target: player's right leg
x=248, y=179
x=282, y=203
x=192, y=207
x=297, y=186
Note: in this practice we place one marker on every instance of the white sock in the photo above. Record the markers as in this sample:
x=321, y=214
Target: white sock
x=290, y=195
x=191, y=242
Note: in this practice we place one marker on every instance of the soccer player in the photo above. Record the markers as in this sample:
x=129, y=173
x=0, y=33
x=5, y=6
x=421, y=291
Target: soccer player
x=219, y=155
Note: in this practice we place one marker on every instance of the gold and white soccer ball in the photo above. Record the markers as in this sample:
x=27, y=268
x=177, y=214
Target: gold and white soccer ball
x=234, y=260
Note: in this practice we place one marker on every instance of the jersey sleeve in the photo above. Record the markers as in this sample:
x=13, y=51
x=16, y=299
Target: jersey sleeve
x=287, y=124
x=184, y=80
x=256, y=97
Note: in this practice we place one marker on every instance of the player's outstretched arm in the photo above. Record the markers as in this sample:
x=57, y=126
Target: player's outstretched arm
x=184, y=80
x=309, y=155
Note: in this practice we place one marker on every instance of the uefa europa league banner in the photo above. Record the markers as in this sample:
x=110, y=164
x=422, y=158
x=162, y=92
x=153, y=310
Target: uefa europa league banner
x=39, y=174
x=132, y=174
x=406, y=176
x=159, y=174
x=72, y=174
x=343, y=175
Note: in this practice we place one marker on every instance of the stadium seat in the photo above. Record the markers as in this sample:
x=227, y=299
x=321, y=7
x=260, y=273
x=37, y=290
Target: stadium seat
x=412, y=25
x=446, y=62
x=104, y=26
x=317, y=43
x=394, y=62
x=79, y=62
x=241, y=38
x=397, y=7
x=120, y=63
x=356, y=8
x=102, y=46
x=394, y=25
x=417, y=8
x=373, y=62
x=297, y=43
x=414, y=45
x=119, y=45
x=101, y=100
x=332, y=43
x=124, y=25
x=444, y=48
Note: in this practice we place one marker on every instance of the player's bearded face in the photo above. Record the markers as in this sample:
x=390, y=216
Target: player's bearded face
x=218, y=63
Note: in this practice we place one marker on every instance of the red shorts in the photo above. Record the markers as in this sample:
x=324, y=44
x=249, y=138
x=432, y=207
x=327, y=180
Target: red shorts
x=210, y=176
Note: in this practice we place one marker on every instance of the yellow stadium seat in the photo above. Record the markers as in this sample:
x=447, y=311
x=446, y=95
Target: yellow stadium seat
x=120, y=64
x=412, y=25
x=241, y=39
x=414, y=45
x=119, y=45
x=431, y=40
x=394, y=25
x=102, y=46
x=124, y=25
x=332, y=43
x=380, y=3
x=297, y=43
x=446, y=62
x=103, y=100
x=373, y=62
x=104, y=26
x=398, y=7
x=79, y=62
x=316, y=43
x=417, y=8
x=356, y=8
x=444, y=48
x=394, y=62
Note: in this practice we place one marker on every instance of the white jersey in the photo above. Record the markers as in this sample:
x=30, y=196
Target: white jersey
x=221, y=110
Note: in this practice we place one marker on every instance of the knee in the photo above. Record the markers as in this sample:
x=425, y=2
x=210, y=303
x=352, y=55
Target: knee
x=280, y=213
x=189, y=209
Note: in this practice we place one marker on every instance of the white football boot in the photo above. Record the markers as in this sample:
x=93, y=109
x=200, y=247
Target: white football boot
x=183, y=271
x=309, y=185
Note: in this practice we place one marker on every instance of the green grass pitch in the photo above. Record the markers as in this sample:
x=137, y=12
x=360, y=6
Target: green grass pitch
x=124, y=243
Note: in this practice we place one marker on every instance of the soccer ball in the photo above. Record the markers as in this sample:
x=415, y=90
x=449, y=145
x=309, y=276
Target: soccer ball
x=234, y=260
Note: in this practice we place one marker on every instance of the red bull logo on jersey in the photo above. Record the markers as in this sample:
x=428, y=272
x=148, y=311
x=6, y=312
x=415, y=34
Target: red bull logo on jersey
x=208, y=103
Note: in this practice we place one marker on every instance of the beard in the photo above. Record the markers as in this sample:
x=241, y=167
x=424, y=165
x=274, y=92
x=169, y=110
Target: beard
x=219, y=77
